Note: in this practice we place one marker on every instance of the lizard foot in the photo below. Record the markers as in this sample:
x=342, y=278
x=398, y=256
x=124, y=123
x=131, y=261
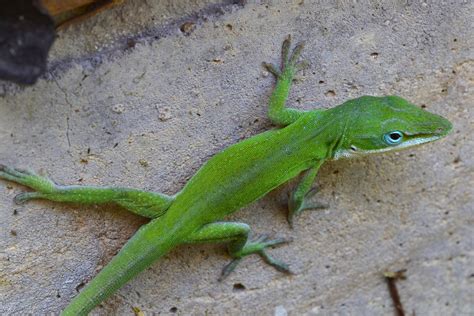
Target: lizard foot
x=258, y=247
x=288, y=63
x=27, y=178
x=294, y=209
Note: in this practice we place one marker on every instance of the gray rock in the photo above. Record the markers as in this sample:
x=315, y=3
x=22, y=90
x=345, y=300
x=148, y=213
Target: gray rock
x=409, y=210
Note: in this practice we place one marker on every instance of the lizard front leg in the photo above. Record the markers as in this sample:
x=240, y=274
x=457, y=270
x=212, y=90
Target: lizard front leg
x=277, y=112
x=239, y=245
x=298, y=201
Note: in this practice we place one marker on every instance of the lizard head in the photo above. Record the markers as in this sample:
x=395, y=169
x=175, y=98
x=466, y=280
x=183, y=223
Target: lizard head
x=381, y=124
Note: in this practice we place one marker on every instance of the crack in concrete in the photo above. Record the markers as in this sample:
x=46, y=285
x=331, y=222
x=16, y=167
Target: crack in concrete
x=66, y=98
x=207, y=14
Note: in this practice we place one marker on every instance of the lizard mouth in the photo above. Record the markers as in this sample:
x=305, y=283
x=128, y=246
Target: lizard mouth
x=411, y=141
x=425, y=131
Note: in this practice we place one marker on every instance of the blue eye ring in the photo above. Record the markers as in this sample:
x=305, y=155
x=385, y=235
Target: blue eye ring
x=393, y=138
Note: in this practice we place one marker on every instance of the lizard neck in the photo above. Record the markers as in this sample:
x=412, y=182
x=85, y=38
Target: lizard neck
x=322, y=134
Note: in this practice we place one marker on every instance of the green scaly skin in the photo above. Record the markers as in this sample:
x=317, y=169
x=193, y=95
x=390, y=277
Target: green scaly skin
x=241, y=174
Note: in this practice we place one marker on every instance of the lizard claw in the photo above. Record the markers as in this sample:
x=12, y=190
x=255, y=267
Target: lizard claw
x=272, y=69
x=228, y=269
x=289, y=63
x=279, y=265
x=302, y=65
x=25, y=197
x=296, y=53
x=257, y=246
x=27, y=178
x=285, y=49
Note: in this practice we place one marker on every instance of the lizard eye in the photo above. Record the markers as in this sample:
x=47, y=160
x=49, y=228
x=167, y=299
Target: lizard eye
x=393, y=138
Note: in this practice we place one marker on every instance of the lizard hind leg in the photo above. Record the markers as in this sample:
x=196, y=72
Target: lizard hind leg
x=147, y=204
x=239, y=245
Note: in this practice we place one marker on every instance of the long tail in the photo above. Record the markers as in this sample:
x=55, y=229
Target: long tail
x=145, y=247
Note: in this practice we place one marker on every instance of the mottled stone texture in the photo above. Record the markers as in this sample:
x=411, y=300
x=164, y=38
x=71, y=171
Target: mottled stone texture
x=133, y=100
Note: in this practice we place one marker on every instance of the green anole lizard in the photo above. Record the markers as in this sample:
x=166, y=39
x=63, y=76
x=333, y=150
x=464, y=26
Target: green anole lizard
x=241, y=174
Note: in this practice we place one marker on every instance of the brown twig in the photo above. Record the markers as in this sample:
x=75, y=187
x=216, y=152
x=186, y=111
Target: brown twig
x=391, y=278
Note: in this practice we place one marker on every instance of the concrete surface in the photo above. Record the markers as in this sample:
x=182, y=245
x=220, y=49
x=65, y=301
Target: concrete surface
x=131, y=100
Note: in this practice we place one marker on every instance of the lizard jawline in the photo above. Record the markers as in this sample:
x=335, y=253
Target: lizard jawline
x=350, y=153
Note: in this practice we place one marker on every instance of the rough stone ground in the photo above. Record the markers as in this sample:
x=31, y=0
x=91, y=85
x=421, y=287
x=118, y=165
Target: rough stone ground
x=131, y=100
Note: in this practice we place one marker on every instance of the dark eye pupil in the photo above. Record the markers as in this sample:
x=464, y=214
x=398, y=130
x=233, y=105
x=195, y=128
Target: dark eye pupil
x=395, y=136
